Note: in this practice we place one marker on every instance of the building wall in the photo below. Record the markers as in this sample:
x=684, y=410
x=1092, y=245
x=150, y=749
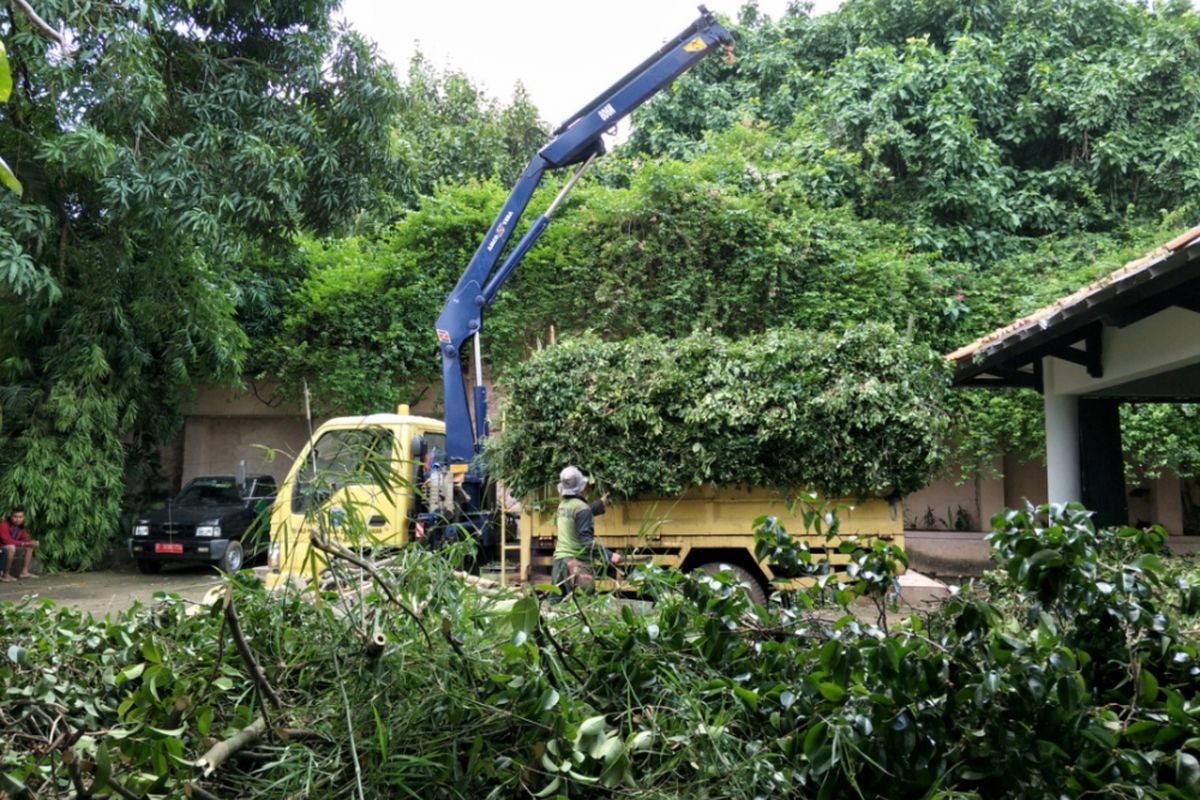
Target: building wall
x=215, y=445
x=950, y=503
x=1024, y=482
x=223, y=426
x=1158, y=502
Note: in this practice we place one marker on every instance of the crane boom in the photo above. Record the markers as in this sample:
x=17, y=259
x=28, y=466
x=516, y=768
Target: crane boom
x=576, y=141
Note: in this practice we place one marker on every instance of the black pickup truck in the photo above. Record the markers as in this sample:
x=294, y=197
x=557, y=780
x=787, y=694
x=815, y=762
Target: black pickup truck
x=213, y=519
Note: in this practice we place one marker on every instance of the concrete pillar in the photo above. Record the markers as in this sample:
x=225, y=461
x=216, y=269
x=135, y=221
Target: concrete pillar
x=1062, y=448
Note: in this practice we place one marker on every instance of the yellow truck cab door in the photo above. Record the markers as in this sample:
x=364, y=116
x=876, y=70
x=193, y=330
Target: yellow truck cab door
x=355, y=484
x=344, y=485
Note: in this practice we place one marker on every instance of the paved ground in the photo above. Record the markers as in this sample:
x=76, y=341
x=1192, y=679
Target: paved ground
x=114, y=589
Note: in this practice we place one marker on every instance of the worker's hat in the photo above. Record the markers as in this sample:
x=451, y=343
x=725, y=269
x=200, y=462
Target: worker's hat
x=571, y=481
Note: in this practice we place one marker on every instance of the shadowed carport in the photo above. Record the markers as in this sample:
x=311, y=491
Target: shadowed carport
x=1133, y=335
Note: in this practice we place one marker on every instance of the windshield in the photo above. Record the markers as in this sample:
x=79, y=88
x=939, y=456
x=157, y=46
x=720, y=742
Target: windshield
x=359, y=456
x=204, y=492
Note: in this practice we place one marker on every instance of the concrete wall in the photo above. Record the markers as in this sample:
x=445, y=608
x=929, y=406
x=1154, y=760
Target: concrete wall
x=1024, y=481
x=223, y=427
x=980, y=499
x=215, y=445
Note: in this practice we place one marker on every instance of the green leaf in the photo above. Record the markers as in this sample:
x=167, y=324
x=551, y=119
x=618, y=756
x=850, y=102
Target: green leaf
x=16, y=654
x=815, y=738
x=131, y=672
x=550, y=789
x=831, y=691
x=747, y=696
x=1187, y=770
x=9, y=179
x=639, y=741
x=1147, y=687
x=103, y=766
x=5, y=75
x=204, y=718
x=591, y=727
x=524, y=615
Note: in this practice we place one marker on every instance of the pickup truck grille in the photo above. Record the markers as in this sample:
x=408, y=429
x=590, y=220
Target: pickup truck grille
x=173, y=529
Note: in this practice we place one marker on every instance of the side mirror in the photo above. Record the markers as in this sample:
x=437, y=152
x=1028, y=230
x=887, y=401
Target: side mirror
x=419, y=447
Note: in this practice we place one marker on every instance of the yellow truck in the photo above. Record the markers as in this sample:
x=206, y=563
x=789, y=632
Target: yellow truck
x=707, y=528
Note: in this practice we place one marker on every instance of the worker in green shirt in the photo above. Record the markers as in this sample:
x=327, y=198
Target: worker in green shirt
x=577, y=549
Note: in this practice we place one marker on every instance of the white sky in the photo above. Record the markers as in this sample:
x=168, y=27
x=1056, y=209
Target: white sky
x=564, y=51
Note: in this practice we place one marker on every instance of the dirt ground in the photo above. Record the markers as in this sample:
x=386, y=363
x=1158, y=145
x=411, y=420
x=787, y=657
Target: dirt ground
x=112, y=590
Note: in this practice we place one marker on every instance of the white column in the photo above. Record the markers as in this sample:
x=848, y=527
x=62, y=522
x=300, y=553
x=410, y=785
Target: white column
x=1062, y=447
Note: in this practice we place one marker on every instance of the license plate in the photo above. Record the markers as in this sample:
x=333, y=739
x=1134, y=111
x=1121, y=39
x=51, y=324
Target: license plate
x=166, y=547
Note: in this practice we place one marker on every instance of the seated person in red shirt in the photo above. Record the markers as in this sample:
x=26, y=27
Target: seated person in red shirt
x=14, y=537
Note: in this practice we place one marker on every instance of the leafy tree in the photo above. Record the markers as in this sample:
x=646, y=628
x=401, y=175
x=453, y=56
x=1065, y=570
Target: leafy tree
x=986, y=122
x=446, y=128
x=169, y=146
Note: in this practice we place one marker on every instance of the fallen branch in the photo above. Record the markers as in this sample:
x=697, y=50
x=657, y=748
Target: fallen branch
x=448, y=634
x=239, y=640
x=120, y=789
x=220, y=752
x=345, y=554
x=475, y=580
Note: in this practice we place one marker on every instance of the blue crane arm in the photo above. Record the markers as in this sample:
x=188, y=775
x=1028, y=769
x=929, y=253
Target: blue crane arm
x=576, y=140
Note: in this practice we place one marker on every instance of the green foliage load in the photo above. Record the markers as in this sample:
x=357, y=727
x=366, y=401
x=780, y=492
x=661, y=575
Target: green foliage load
x=1074, y=674
x=857, y=413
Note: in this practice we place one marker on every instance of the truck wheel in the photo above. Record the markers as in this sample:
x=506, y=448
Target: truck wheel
x=750, y=584
x=233, y=558
x=148, y=567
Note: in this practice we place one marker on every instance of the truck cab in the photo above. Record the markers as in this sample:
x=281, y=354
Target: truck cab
x=355, y=473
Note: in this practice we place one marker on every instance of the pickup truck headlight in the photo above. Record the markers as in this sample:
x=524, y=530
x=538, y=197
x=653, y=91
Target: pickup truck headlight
x=211, y=529
x=273, y=562
x=141, y=529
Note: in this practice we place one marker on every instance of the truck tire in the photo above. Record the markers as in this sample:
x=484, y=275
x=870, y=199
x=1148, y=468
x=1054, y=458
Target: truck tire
x=754, y=590
x=148, y=567
x=233, y=559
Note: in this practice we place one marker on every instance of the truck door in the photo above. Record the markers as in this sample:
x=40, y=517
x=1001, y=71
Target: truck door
x=347, y=480
x=427, y=446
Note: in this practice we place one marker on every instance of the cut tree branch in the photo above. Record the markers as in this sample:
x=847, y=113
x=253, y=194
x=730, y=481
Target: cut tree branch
x=194, y=791
x=235, y=630
x=220, y=752
x=334, y=549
